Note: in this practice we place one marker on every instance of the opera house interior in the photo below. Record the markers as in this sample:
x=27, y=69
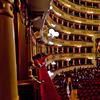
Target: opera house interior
x=52, y=50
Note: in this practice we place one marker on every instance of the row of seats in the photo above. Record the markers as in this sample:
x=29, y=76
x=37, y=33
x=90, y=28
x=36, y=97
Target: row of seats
x=87, y=88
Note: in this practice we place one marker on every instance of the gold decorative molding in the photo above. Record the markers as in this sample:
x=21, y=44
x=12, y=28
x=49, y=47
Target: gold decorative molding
x=79, y=7
x=74, y=18
x=72, y=43
x=67, y=29
x=97, y=35
x=97, y=55
x=94, y=1
x=6, y=8
x=71, y=55
x=71, y=68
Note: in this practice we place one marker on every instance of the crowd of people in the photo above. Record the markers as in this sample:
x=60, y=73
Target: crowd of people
x=85, y=80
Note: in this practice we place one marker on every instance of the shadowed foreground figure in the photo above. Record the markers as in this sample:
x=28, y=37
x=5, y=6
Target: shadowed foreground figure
x=47, y=89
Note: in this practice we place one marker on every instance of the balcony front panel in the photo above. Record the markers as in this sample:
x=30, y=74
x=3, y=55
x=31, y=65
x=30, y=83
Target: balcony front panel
x=97, y=55
x=97, y=36
x=94, y=3
x=65, y=29
x=72, y=68
x=72, y=43
x=74, y=18
x=74, y=12
x=79, y=7
x=70, y=55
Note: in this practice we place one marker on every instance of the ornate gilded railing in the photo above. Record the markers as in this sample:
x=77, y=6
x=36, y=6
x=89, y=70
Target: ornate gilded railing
x=79, y=7
x=72, y=43
x=67, y=29
x=71, y=68
x=97, y=35
x=74, y=18
x=97, y=55
x=71, y=55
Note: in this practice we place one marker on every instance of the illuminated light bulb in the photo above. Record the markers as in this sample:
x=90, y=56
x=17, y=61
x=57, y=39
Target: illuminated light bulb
x=53, y=63
x=59, y=45
x=50, y=73
x=53, y=25
x=51, y=31
x=68, y=5
x=68, y=59
x=51, y=7
x=51, y=43
x=56, y=34
x=90, y=12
